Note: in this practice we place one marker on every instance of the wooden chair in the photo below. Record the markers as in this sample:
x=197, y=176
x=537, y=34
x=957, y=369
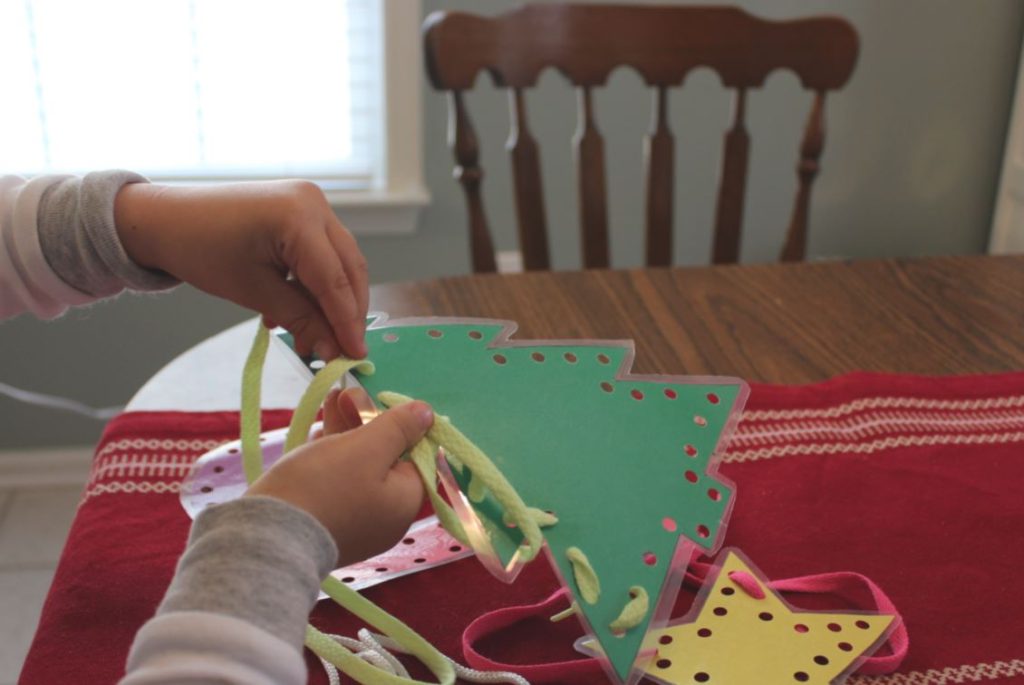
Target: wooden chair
x=662, y=43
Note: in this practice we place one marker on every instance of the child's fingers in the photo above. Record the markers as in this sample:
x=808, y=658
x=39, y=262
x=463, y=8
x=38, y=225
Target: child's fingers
x=354, y=261
x=334, y=420
x=290, y=305
x=405, y=490
x=392, y=434
x=319, y=268
x=345, y=411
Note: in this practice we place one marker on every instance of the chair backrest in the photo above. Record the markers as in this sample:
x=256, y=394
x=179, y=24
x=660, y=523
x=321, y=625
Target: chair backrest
x=662, y=43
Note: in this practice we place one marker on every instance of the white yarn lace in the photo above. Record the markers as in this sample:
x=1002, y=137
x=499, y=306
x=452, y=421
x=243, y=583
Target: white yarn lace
x=374, y=649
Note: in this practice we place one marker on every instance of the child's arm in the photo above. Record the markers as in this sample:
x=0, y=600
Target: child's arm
x=238, y=605
x=67, y=241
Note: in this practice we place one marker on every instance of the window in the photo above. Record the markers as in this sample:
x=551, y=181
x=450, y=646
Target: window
x=211, y=90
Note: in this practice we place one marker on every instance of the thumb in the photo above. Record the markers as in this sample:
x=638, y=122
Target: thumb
x=387, y=437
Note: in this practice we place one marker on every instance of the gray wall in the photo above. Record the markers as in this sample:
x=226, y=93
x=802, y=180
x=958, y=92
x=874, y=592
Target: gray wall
x=910, y=168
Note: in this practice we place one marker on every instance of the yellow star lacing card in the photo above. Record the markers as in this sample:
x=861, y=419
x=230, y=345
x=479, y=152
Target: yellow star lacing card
x=740, y=631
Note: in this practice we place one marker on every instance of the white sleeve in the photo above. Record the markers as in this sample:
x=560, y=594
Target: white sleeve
x=194, y=647
x=27, y=282
x=59, y=245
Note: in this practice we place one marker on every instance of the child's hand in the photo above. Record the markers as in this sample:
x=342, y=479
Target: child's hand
x=240, y=241
x=351, y=480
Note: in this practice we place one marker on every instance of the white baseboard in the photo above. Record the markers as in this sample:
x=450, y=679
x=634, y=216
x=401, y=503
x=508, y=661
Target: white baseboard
x=35, y=468
x=509, y=261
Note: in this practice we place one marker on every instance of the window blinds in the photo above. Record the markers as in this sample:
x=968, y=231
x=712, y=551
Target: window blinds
x=194, y=89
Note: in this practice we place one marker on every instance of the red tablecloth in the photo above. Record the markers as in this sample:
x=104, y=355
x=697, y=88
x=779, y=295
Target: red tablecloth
x=915, y=482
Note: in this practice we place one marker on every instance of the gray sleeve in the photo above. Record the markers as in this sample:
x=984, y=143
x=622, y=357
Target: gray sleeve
x=255, y=558
x=79, y=239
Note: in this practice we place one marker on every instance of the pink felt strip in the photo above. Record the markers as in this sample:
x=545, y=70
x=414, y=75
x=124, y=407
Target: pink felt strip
x=493, y=621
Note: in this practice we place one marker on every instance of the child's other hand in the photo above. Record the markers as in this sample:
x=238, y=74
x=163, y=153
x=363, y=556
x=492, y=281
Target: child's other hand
x=350, y=479
x=240, y=241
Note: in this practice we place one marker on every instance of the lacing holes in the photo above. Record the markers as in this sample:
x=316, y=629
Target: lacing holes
x=218, y=469
x=845, y=646
x=381, y=569
x=700, y=420
x=671, y=394
x=801, y=677
x=434, y=333
x=714, y=495
x=537, y=357
x=205, y=489
x=570, y=357
x=662, y=663
x=720, y=611
x=233, y=450
x=801, y=628
x=408, y=541
x=691, y=476
x=636, y=394
x=704, y=632
x=821, y=660
x=317, y=364
x=419, y=560
x=665, y=640
x=603, y=358
x=263, y=438
x=348, y=579
x=650, y=558
x=690, y=450
x=765, y=616
x=835, y=627
x=476, y=335
x=669, y=524
x=606, y=386
x=863, y=625
x=701, y=677
x=455, y=548
x=499, y=359
x=712, y=398
x=703, y=531
x=728, y=591
x=389, y=337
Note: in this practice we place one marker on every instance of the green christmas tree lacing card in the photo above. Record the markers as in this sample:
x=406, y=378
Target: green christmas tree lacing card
x=625, y=463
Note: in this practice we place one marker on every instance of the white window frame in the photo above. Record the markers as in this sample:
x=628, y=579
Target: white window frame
x=393, y=208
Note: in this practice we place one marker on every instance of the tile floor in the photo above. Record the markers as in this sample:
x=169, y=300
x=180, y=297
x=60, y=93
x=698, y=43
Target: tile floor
x=34, y=523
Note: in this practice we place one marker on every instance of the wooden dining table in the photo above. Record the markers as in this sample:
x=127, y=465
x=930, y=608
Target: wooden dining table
x=772, y=323
x=935, y=334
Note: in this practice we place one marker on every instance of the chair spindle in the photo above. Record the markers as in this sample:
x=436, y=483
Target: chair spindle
x=463, y=141
x=527, y=185
x=807, y=169
x=732, y=188
x=659, y=151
